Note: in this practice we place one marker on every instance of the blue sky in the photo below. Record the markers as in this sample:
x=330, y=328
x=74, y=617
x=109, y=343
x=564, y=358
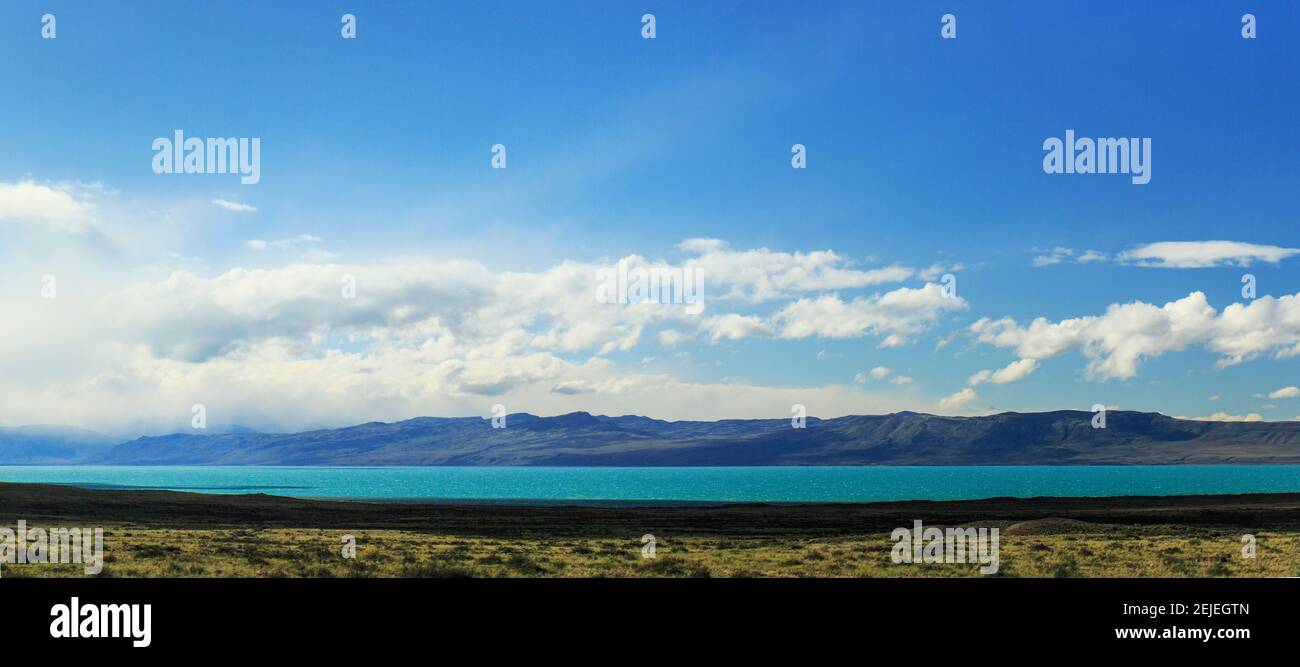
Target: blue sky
x=922, y=151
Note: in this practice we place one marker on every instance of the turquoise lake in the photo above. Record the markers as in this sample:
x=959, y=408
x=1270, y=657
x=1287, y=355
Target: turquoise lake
x=665, y=485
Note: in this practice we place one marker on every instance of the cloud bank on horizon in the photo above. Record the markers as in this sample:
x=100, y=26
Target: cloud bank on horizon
x=678, y=266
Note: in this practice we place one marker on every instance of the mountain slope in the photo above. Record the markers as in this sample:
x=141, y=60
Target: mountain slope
x=31, y=445
x=581, y=439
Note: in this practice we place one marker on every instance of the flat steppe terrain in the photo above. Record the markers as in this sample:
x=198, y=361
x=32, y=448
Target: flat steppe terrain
x=171, y=534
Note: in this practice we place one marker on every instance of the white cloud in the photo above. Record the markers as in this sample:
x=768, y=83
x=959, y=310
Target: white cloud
x=896, y=315
x=1054, y=256
x=901, y=380
x=234, y=206
x=275, y=385
x=299, y=240
x=1016, y=370
x=1225, y=417
x=701, y=245
x=61, y=208
x=959, y=399
x=937, y=270
x=193, y=318
x=734, y=327
x=307, y=247
x=671, y=337
x=1285, y=392
x=877, y=373
x=281, y=348
x=1116, y=342
x=1061, y=254
x=1202, y=254
x=762, y=275
x=1264, y=325
x=471, y=330
x=1174, y=254
x=571, y=387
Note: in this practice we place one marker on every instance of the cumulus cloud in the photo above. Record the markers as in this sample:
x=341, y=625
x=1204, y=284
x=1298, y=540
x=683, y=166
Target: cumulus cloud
x=894, y=316
x=61, y=208
x=188, y=317
x=735, y=327
x=1285, y=392
x=1263, y=326
x=271, y=385
x=959, y=399
x=877, y=373
x=1116, y=342
x=671, y=337
x=1016, y=370
x=283, y=348
x=571, y=387
x=763, y=275
x=234, y=206
x=1204, y=254
x=897, y=315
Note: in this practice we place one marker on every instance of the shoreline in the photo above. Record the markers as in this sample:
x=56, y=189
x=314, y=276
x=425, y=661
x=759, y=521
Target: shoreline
x=75, y=503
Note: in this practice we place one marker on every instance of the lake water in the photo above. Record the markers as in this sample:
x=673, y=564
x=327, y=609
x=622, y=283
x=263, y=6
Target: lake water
x=659, y=485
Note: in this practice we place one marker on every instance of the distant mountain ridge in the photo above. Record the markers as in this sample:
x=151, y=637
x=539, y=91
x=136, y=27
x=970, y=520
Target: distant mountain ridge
x=46, y=444
x=581, y=439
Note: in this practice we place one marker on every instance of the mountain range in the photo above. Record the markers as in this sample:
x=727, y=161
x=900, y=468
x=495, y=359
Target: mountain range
x=581, y=439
